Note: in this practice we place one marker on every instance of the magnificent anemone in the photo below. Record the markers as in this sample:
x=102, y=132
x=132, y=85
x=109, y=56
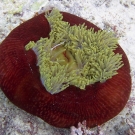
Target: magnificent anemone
x=64, y=70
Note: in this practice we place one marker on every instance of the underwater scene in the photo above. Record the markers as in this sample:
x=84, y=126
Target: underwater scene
x=67, y=67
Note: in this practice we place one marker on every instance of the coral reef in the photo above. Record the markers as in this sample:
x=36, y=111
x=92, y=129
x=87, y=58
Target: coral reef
x=83, y=130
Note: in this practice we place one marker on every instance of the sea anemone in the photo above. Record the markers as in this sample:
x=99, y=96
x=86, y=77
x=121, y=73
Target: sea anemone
x=64, y=69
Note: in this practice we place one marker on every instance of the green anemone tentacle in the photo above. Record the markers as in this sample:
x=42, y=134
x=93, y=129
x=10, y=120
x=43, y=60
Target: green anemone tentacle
x=73, y=55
